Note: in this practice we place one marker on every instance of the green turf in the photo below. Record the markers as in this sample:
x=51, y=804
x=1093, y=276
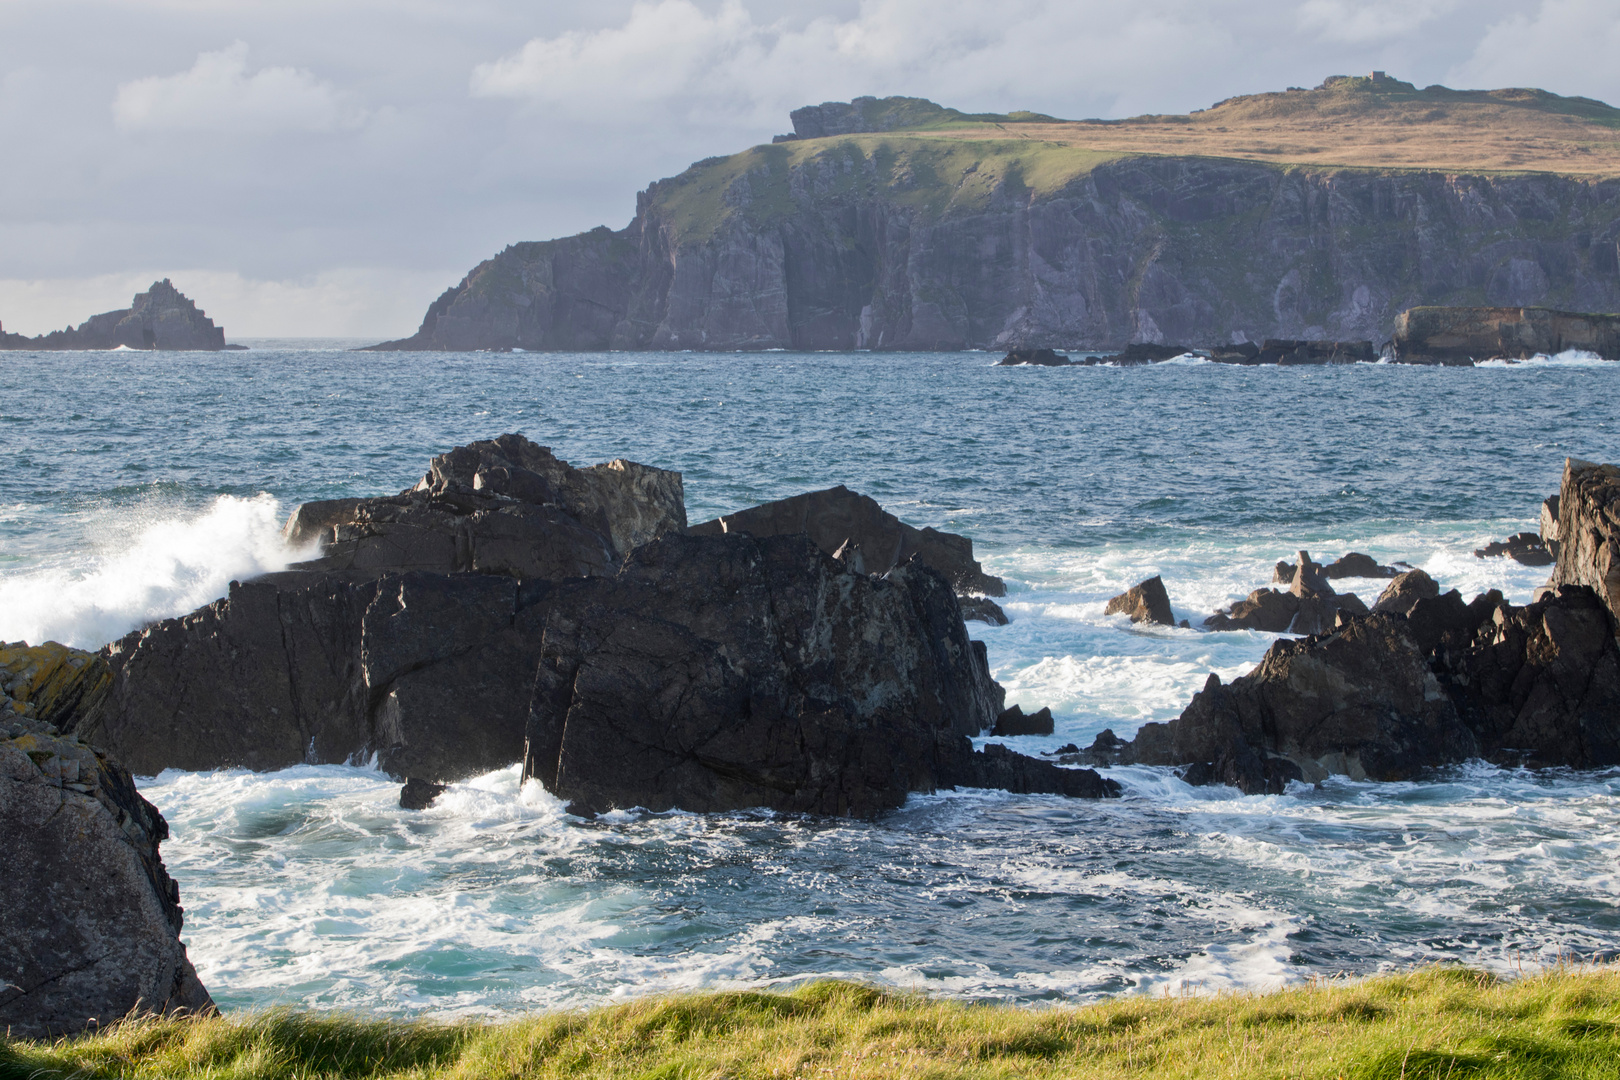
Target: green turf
x=1436, y=1024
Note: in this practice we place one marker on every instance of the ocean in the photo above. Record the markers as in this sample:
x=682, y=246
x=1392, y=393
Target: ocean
x=141, y=484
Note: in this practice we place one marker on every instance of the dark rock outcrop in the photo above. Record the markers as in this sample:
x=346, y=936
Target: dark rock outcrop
x=1034, y=358
x=1147, y=601
x=708, y=673
x=1310, y=606
x=1404, y=591
x=418, y=794
x=1349, y=565
x=1015, y=722
x=1289, y=352
x=718, y=672
x=1526, y=548
x=982, y=609
x=838, y=516
x=1462, y=335
x=1387, y=695
x=159, y=318
x=501, y=506
x=1138, y=353
x=89, y=918
x=1589, y=531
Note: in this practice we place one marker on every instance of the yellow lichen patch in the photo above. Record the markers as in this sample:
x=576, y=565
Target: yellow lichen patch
x=51, y=682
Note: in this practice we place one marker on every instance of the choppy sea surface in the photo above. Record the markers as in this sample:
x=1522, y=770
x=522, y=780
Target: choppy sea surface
x=138, y=485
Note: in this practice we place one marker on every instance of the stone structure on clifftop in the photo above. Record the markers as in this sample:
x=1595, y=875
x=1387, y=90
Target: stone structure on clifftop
x=160, y=318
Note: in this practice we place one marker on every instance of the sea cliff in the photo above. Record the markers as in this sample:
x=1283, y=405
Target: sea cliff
x=916, y=240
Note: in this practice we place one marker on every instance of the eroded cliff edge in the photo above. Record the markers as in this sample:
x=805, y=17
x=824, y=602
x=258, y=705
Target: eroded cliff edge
x=910, y=240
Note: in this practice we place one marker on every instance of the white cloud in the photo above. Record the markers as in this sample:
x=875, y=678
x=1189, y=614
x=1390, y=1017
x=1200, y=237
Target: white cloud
x=1567, y=46
x=1374, y=22
x=219, y=94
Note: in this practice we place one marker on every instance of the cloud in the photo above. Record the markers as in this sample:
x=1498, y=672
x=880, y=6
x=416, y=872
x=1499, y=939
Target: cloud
x=218, y=94
x=1567, y=46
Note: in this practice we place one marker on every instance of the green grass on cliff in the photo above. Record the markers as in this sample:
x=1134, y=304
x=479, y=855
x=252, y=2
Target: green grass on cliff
x=1436, y=1024
x=936, y=175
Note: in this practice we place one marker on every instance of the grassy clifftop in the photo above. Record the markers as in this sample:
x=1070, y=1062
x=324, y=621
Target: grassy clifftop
x=942, y=161
x=1440, y=1024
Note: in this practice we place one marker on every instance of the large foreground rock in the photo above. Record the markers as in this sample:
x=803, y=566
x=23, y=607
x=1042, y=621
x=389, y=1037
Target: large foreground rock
x=838, y=516
x=89, y=918
x=500, y=506
x=708, y=673
x=160, y=318
x=1589, y=530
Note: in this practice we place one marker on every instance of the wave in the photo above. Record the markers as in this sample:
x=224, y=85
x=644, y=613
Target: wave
x=163, y=568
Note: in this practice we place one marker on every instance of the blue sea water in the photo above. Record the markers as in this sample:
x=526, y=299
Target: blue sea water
x=140, y=484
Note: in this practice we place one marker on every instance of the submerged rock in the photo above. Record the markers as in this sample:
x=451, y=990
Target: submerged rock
x=1147, y=601
x=837, y=516
x=418, y=794
x=89, y=918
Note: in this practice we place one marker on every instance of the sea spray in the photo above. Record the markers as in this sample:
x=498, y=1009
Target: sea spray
x=158, y=569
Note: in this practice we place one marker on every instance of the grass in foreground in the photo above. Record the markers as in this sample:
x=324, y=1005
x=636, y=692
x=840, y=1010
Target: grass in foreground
x=1436, y=1024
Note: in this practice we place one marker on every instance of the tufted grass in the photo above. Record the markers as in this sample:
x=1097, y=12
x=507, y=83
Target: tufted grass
x=1433, y=1024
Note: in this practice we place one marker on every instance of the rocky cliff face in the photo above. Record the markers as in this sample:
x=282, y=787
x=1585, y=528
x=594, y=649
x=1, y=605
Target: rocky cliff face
x=897, y=241
x=162, y=317
x=89, y=918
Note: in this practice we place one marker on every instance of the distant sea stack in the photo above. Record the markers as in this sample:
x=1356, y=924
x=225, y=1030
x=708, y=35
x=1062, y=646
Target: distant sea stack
x=162, y=318
x=898, y=224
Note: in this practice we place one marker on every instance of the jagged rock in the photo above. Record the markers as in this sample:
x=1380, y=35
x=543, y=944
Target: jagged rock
x=1525, y=547
x=1360, y=701
x=708, y=673
x=1462, y=335
x=1033, y=357
x=418, y=794
x=501, y=506
x=1404, y=591
x=1265, y=609
x=837, y=516
x=1540, y=685
x=89, y=918
x=1146, y=601
x=1014, y=722
x=1589, y=531
x=159, y=318
x=1549, y=524
x=722, y=672
x=982, y=609
x=1350, y=565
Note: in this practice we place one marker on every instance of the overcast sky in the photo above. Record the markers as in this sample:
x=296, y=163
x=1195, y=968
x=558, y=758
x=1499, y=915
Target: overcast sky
x=327, y=167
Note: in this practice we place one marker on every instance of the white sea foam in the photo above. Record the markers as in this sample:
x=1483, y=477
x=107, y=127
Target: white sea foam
x=145, y=568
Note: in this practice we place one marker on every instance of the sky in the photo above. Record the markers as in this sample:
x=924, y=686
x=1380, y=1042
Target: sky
x=327, y=167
